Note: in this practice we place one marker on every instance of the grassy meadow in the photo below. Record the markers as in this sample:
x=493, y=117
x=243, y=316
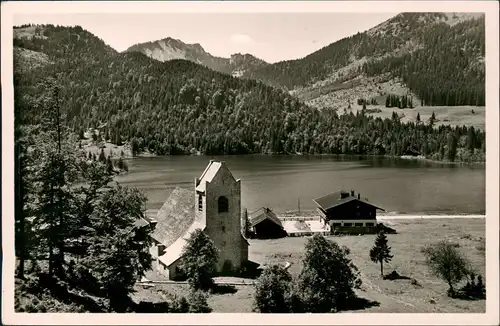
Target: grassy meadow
x=446, y=115
x=428, y=295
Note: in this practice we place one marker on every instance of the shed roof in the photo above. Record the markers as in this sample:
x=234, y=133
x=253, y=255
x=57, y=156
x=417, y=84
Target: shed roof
x=263, y=214
x=334, y=199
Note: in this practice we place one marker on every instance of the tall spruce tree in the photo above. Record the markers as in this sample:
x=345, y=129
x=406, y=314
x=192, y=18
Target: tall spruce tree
x=55, y=172
x=381, y=252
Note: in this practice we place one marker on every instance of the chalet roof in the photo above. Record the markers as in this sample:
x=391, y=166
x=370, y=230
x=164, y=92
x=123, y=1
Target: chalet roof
x=263, y=214
x=334, y=199
x=208, y=175
x=175, y=216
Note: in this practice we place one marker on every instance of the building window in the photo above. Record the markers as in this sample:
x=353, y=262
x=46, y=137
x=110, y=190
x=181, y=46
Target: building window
x=223, y=204
x=370, y=224
x=337, y=224
x=347, y=224
x=358, y=224
x=200, y=203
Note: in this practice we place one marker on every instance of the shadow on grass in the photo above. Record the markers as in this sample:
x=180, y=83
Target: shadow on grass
x=394, y=275
x=359, y=303
x=151, y=307
x=223, y=289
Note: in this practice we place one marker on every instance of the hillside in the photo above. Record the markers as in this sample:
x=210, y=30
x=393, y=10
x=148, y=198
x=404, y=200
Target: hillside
x=169, y=49
x=438, y=58
x=179, y=107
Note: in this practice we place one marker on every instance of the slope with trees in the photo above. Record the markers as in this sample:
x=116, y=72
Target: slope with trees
x=180, y=107
x=437, y=56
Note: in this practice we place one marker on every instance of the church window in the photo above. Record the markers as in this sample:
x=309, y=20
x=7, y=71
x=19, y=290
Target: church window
x=200, y=203
x=223, y=204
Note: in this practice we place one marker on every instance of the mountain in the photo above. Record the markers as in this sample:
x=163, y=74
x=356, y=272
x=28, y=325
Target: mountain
x=438, y=58
x=180, y=107
x=169, y=49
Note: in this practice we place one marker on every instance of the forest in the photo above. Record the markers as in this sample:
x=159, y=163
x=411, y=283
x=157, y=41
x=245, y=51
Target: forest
x=178, y=107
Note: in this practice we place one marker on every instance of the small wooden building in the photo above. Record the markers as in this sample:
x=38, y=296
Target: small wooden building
x=347, y=209
x=264, y=224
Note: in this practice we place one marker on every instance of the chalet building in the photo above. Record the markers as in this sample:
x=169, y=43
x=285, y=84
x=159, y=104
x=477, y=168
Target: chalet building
x=264, y=224
x=346, y=209
x=215, y=207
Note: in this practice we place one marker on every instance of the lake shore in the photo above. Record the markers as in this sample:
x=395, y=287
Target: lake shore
x=115, y=151
x=386, y=215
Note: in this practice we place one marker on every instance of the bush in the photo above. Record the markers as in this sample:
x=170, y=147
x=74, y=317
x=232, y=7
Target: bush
x=272, y=290
x=197, y=301
x=447, y=262
x=177, y=304
x=199, y=259
x=474, y=289
x=328, y=278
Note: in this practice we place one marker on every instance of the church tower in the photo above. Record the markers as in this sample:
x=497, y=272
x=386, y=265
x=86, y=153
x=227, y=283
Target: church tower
x=218, y=204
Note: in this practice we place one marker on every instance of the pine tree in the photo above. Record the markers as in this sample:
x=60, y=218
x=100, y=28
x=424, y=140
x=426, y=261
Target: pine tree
x=56, y=169
x=119, y=164
x=432, y=119
x=118, y=139
x=418, y=117
x=452, y=147
x=109, y=165
x=471, y=139
x=381, y=252
x=118, y=252
x=102, y=156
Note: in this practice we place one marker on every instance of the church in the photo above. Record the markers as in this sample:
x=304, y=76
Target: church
x=214, y=206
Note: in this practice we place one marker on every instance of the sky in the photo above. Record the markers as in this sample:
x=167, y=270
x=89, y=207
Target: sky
x=272, y=37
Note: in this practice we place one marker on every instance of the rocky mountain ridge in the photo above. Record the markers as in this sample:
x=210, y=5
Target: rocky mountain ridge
x=170, y=49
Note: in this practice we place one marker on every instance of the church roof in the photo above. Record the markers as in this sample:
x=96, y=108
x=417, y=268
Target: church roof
x=208, y=175
x=174, y=251
x=175, y=217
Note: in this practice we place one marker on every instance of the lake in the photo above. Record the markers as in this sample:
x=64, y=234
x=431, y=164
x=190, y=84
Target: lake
x=280, y=182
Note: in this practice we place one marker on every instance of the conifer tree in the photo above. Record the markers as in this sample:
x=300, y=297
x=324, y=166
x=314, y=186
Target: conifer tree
x=102, y=156
x=109, y=165
x=381, y=252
